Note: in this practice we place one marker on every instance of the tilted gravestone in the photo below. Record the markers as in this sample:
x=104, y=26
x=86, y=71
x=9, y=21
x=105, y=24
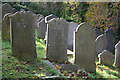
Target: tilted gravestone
x=6, y=8
x=85, y=47
x=6, y=27
x=42, y=27
x=97, y=32
x=117, y=55
x=106, y=58
x=110, y=37
x=72, y=28
x=101, y=42
x=57, y=35
x=49, y=17
x=23, y=37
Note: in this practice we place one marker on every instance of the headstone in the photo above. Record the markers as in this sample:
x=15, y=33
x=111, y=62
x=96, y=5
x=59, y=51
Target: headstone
x=106, y=58
x=117, y=55
x=85, y=47
x=6, y=27
x=72, y=27
x=57, y=35
x=42, y=27
x=49, y=17
x=97, y=32
x=23, y=37
x=15, y=10
x=6, y=8
x=101, y=42
x=40, y=17
x=110, y=37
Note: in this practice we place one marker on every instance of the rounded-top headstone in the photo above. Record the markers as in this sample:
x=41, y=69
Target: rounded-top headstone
x=106, y=57
x=72, y=28
x=84, y=47
x=6, y=8
x=101, y=42
x=6, y=27
x=117, y=55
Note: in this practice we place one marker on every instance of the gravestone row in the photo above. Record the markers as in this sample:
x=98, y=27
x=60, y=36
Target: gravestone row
x=23, y=40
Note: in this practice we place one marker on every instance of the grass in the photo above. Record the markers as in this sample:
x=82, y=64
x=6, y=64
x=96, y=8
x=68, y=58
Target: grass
x=13, y=68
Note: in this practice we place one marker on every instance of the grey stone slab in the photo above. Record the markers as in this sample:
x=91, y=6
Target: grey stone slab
x=42, y=28
x=72, y=28
x=57, y=35
x=101, y=43
x=40, y=17
x=110, y=37
x=51, y=65
x=6, y=27
x=6, y=8
x=23, y=35
x=49, y=17
x=117, y=55
x=106, y=58
x=85, y=47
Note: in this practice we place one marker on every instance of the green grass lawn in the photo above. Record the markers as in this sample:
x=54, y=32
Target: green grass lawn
x=13, y=68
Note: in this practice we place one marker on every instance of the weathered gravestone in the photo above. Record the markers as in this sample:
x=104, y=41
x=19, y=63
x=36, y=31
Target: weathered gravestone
x=6, y=27
x=40, y=17
x=97, y=32
x=72, y=27
x=85, y=47
x=106, y=58
x=23, y=37
x=117, y=55
x=42, y=27
x=57, y=35
x=101, y=42
x=110, y=37
x=6, y=8
x=49, y=17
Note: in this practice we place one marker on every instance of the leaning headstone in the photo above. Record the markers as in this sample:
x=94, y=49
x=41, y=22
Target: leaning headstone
x=6, y=8
x=117, y=55
x=101, y=42
x=49, y=17
x=110, y=37
x=85, y=47
x=57, y=35
x=42, y=27
x=6, y=27
x=97, y=32
x=106, y=58
x=72, y=27
x=23, y=37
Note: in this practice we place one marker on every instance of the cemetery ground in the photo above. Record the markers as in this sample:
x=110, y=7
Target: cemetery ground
x=14, y=68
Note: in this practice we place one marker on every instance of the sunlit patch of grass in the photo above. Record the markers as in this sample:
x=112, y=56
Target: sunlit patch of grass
x=104, y=71
x=40, y=48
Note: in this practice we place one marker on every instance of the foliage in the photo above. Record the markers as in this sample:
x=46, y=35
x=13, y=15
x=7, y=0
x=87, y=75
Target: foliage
x=71, y=11
x=102, y=14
